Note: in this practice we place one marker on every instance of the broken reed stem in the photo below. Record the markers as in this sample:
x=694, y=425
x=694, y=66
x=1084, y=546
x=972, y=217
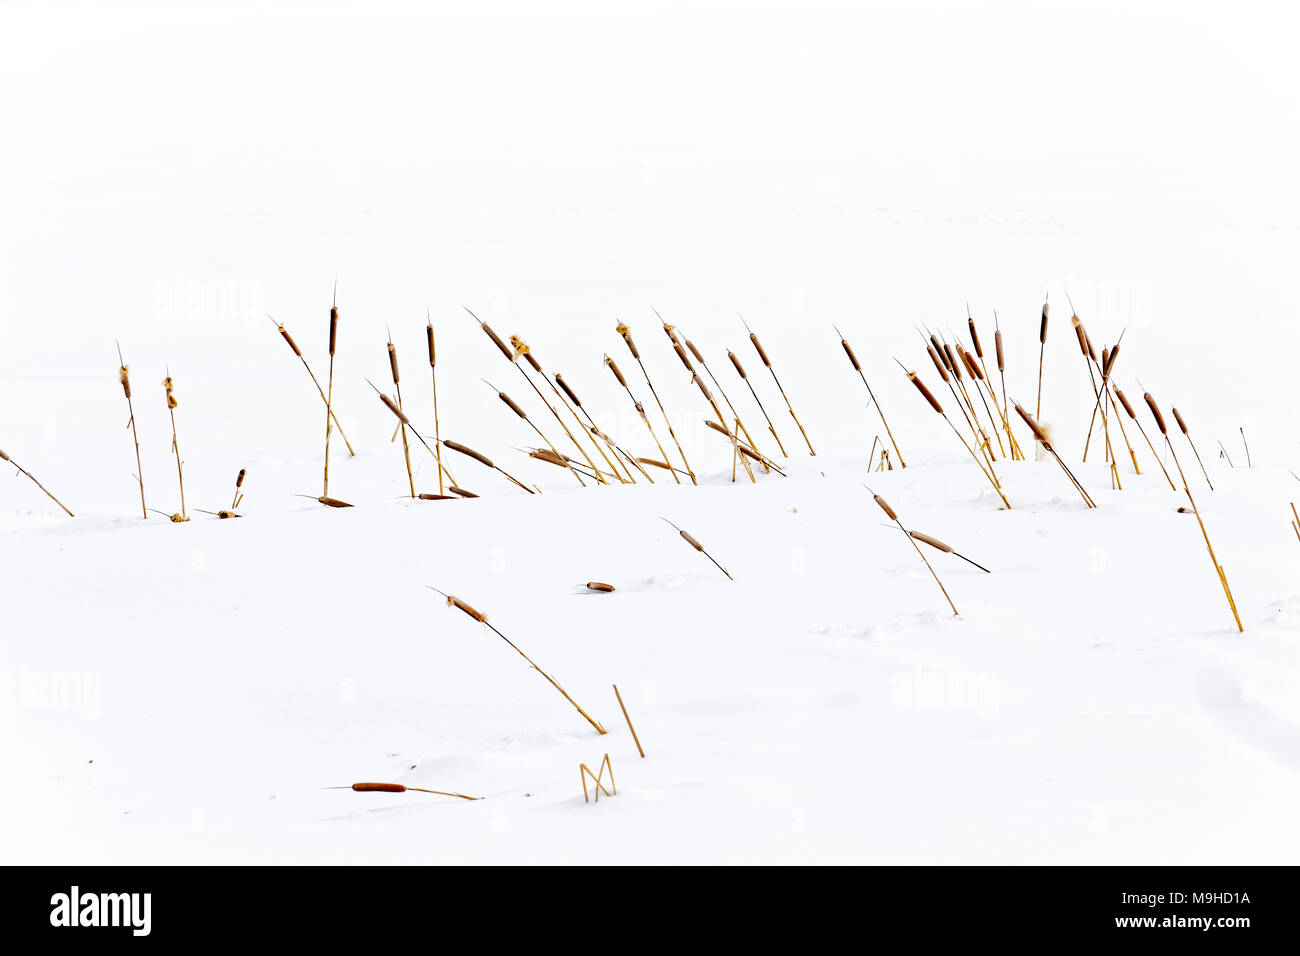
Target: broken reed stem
x=1186, y=434
x=329, y=396
x=745, y=450
x=325, y=401
x=32, y=477
x=171, y=411
x=1224, y=452
x=690, y=539
x=640, y=410
x=624, y=331
x=1242, y=429
x=762, y=354
x=857, y=367
x=635, y=738
x=740, y=370
x=1295, y=524
x=1128, y=408
x=482, y=619
x=437, y=429
x=884, y=506
x=934, y=403
x=239, y=482
x=125, y=377
x=401, y=788
x=1041, y=435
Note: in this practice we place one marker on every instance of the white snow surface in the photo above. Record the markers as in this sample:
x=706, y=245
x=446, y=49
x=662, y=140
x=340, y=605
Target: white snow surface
x=187, y=692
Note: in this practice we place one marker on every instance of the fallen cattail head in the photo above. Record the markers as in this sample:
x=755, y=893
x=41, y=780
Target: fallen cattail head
x=426, y=496
x=938, y=363
x=690, y=539
x=740, y=369
x=884, y=506
x=125, y=378
x=228, y=514
x=1119, y=393
x=617, y=374
x=378, y=788
x=931, y=541
x=328, y=502
x=1039, y=431
x=564, y=386
x=1179, y=418
x=599, y=586
x=550, y=457
x=392, y=407
x=1155, y=410
x=462, y=492
x=457, y=446
x=1092, y=353
x=971, y=368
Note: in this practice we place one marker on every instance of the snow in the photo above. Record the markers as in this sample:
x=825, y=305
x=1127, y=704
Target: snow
x=186, y=692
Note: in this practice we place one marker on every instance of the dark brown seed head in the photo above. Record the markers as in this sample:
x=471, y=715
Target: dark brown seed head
x=496, y=340
x=759, y=346
x=938, y=363
x=884, y=506
x=691, y=540
x=1042, y=328
x=426, y=496
x=457, y=446
x=240, y=480
x=617, y=374
x=997, y=342
x=392, y=363
x=1081, y=335
x=476, y=615
x=599, y=586
x=929, y=397
x=3, y=455
x=428, y=330
x=704, y=389
x=328, y=502
x=392, y=407
x=740, y=369
x=289, y=338
x=938, y=347
x=1179, y=419
x=1034, y=427
x=550, y=457
x=853, y=359
x=379, y=787
x=334, y=327
x=1109, y=363
x=462, y=492
x=510, y=403
x=975, y=338
x=567, y=391
x=1124, y=401
x=1155, y=410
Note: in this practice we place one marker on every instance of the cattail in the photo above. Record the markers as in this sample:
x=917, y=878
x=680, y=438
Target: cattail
x=1160, y=419
x=599, y=586
x=427, y=496
x=329, y=395
x=694, y=543
x=617, y=374
x=1080, y=335
x=938, y=363
x=696, y=352
x=759, y=347
x=1042, y=328
x=457, y=446
x=1042, y=347
x=496, y=340
x=929, y=396
x=1109, y=363
x=1034, y=427
x=848, y=350
x=681, y=354
x=1092, y=352
x=332, y=502
x=32, y=478
x=461, y=491
x=324, y=399
x=432, y=353
x=945, y=548
x=766, y=361
x=564, y=387
x=624, y=331
x=1124, y=401
x=289, y=338
x=124, y=376
x=1183, y=425
x=740, y=369
x=884, y=506
x=482, y=619
x=1041, y=434
x=953, y=365
x=974, y=337
x=997, y=342
x=392, y=407
x=172, y=404
x=398, y=788
x=511, y=405
x=239, y=482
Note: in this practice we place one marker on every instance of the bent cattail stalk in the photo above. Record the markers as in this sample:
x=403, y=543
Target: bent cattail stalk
x=324, y=399
x=694, y=543
x=1128, y=408
x=124, y=376
x=1041, y=435
x=758, y=346
x=1186, y=434
x=482, y=619
x=484, y=460
x=626, y=333
x=857, y=367
x=740, y=370
x=884, y=506
x=32, y=478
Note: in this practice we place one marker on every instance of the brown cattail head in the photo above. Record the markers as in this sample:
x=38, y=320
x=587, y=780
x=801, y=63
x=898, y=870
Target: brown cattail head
x=476, y=615
x=691, y=540
x=1081, y=335
x=1155, y=410
x=938, y=347
x=567, y=391
x=1179, y=419
x=1109, y=363
x=426, y=496
x=624, y=331
x=227, y=514
x=599, y=586
x=696, y=352
x=954, y=365
x=617, y=374
x=1042, y=328
x=931, y=541
x=938, y=363
x=334, y=327
x=997, y=342
x=1119, y=393
x=740, y=369
x=496, y=340
x=125, y=377
x=1092, y=352
x=929, y=396
x=640, y=409
x=721, y=429
x=1038, y=430
x=753, y=337
x=510, y=403
x=853, y=359
x=3, y=455
x=240, y=480
x=289, y=338
x=671, y=332
x=328, y=502
x=457, y=446
x=379, y=787
x=392, y=363
x=550, y=457
x=171, y=399
x=704, y=389
x=392, y=407
x=975, y=338
x=532, y=360
x=1105, y=358
x=462, y=492
x=972, y=369
x=428, y=331
x=750, y=453
x=654, y=462
x=884, y=506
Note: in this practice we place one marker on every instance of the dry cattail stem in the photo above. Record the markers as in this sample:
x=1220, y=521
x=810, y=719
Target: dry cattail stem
x=1296, y=523
x=171, y=411
x=484, y=460
x=740, y=425
x=1183, y=426
x=857, y=367
x=399, y=788
x=514, y=407
x=124, y=376
x=1128, y=407
x=745, y=449
x=599, y=586
x=1223, y=578
x=324, y=399
x=329, y=394
x=987, y=381
x=1042, y=346
x=946, y=549
x=482, y=619
x=1242, y=429
x=596, y=778
x=437, y=427
x=691, y=540
x=766, y=361
x=32, y=478
x=740, y=370
x=1041, y=435
x=626, y=333
x=403, y=421
x=239, y=483
x=635, y=738
x=884, y=506
x=522, y=347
